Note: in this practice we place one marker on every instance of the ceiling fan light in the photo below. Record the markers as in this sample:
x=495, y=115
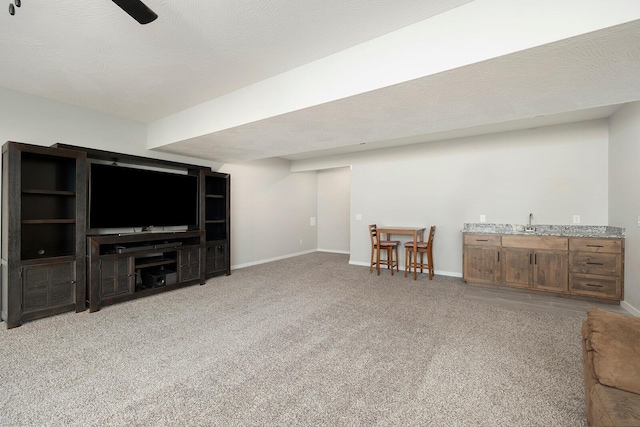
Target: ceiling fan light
x=17, y=2
x=12, y=10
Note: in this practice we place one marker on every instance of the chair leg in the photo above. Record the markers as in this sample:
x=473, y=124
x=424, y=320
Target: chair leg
x=371, y=263
x=406, y=261
x=397, y=261
x=421, y=262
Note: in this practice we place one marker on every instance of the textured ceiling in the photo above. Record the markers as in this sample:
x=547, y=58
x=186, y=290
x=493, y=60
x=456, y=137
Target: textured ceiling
x=93, y=55
x=527, y=89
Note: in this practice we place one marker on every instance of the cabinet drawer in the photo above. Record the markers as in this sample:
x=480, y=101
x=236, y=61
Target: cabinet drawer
x=535, y=242
x=613, y=246
x=595, y=263
x=594, y=285
x=482, y=239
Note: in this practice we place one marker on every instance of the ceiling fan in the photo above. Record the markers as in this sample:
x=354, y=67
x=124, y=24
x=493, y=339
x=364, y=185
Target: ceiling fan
x=138, y=10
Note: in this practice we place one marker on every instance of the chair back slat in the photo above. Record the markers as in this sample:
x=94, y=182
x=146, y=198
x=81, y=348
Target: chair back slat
x=432, y=232
x=373, y=233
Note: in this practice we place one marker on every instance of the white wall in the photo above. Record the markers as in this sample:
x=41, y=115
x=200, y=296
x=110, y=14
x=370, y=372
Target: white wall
x=334, y=199
x=39, y=121
x=624, y=194
x=270, y=211
x=270, y=206
x=553, y=172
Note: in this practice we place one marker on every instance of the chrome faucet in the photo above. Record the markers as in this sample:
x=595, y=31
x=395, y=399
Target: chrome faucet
x=530, y=227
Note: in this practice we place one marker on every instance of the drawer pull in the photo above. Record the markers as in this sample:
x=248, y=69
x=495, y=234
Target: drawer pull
x=595, y=263
x=482, y=240
x=594, y=286
x=595, y=246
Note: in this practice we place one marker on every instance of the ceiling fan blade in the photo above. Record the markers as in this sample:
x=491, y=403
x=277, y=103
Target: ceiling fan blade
x=138, y=10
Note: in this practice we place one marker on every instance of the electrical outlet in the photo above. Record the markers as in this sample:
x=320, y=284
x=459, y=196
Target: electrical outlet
x=358, y=217
x=576, y=219
x=483, y=218
x=300, y=241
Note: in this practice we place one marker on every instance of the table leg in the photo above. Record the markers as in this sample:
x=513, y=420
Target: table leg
x=415, y=255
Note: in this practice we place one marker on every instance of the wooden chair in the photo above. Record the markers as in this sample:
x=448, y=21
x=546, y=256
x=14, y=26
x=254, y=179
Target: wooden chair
x=385, y=245
x=423, y=248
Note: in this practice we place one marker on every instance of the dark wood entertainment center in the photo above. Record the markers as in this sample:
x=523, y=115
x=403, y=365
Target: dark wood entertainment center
x=52, y=262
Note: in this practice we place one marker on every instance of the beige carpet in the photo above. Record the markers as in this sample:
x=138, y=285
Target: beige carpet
x=303, y=341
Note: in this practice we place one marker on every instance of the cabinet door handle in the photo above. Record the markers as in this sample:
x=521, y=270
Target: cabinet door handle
x=595, y=246
x=595, y=263
x=529, y=259
x=535, y=259
x=593, y=286
x=73, y=282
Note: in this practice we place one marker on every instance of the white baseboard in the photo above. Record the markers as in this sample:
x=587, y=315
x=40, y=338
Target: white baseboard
x=264, y=261
x=438, y=272
x=448, y=273
x=334, y=251
x=631, y=309
x=362, y=264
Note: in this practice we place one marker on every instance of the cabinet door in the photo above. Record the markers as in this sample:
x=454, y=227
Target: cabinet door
x=516, y=267
x=189, y=264
x=116, y=277
x=481, y=264
x=47, y=286
x=216, y=258
x=550, y=271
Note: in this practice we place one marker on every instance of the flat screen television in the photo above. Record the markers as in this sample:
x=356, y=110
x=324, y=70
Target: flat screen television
x=124, y=197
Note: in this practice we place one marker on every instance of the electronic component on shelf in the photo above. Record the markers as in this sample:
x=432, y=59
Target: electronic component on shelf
x=157, y=278
x=123, y=249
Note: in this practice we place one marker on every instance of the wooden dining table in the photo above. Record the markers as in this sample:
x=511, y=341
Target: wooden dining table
x=416, y=232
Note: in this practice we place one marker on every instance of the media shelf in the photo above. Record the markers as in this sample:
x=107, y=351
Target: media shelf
x=216, y=218
x=43, y=208
x=125, y=267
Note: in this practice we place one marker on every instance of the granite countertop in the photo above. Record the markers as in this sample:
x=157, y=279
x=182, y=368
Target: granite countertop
x=601, y=231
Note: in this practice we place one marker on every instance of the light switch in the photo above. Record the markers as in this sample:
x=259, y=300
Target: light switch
x=312, y=221
x=576, y=219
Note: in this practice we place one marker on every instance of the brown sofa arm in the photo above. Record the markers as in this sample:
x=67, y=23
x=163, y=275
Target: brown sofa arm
x=611, y=362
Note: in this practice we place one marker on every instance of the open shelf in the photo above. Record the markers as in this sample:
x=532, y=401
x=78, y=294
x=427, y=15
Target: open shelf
x=50, y=192
x=216, y=230
x=44, y=172
x=47, y=238
x=215, y=186
x=154, y=261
